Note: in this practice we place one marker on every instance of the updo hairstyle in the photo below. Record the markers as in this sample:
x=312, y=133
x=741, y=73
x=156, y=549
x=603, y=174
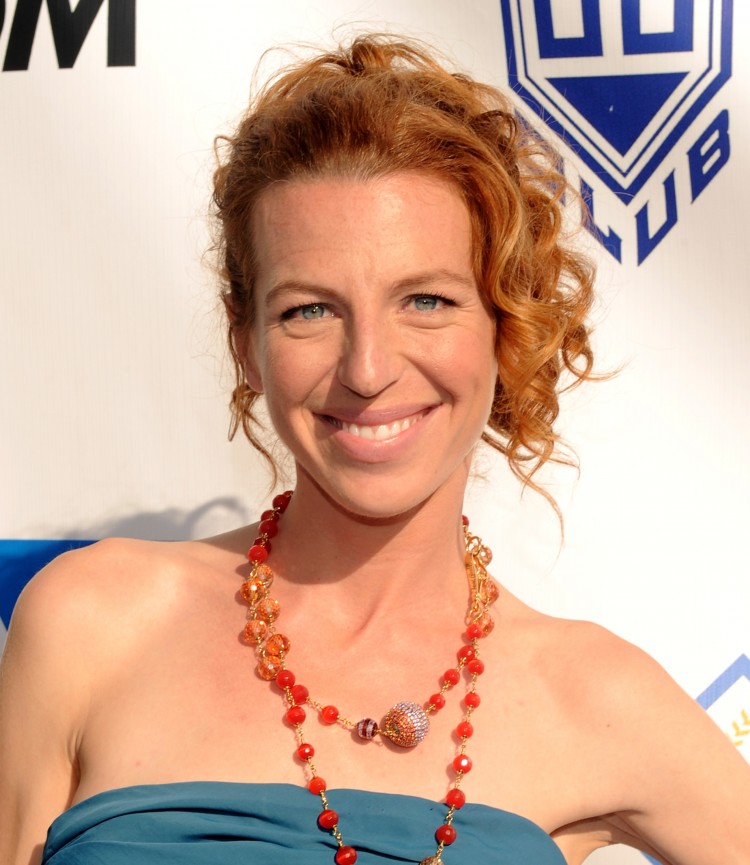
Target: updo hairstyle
x=382, y=105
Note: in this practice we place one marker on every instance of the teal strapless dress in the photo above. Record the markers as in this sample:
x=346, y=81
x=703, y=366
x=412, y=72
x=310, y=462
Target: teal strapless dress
x=219, y=823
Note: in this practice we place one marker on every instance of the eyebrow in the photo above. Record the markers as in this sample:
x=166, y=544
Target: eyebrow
x=436, y=276
x=417, y=281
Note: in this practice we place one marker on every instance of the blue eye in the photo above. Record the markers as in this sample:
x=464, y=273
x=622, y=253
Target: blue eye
x=309, y=312
x=312, y=310
x=428, y=302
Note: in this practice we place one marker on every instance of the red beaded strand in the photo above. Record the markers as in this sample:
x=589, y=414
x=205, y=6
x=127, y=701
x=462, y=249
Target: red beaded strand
x=328, y=819
x=273, y=647
x=446, y=834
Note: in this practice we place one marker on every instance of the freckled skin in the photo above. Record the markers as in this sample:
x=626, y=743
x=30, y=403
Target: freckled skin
x=123, y=662
x=367, y=305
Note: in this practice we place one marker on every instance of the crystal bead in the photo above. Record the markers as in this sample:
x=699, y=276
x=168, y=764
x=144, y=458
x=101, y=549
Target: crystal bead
x=490, y=591
x=466, y=653
x=367, y=728
x=484, y=555
x=281, y=501
x=472, y=699
x=269, y=528
x=285, y=679
x=300, y=694
x=329, y=714
x=452, y=677
x=268, y=667
x=437, y=701
x=267, y=610
x=475, y=667
x=269, y=515
x=464, y=730
x=255, y=631
x=462, y=763
x=277, y=644
x=305, y=751
x=316, y=785
x=474, y=631
x=486, y=623
x=264, y=574
x=328, y=819
x=455, y=798
x=295, y=715
x=445, y=834
x=253, y=591
x=257, y=553
x=406, y=724
x=345, y=856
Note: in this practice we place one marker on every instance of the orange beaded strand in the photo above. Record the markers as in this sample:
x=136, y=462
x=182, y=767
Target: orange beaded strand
x=408, y=723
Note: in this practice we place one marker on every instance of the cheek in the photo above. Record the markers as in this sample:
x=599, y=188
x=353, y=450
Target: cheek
x=485, y=373
x=292, y=372
x=476, y=358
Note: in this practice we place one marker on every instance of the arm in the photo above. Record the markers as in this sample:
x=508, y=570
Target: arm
x=44, y=690
x=693, y=784
x=687, y=786
x=640, y=762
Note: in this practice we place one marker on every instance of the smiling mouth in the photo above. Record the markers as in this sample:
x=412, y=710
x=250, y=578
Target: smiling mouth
x=377, y=432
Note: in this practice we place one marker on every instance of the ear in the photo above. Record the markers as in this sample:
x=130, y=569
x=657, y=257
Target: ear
x=244, y=345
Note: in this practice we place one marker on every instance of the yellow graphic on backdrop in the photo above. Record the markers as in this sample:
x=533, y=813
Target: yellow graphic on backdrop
x=741, y=729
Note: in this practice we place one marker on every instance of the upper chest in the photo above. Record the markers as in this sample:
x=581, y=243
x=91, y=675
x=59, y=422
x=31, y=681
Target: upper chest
x=190, y=706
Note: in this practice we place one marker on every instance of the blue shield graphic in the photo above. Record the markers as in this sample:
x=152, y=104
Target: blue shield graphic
x=619, y=82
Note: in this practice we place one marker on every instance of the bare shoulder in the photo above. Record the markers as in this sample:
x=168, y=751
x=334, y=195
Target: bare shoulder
x=86, y=576
x=77, y=625
x=611, y=690
x=81, y=614
x=117, y=576
x=91, y=610
x=586, y=666
x=92, y=605
x=68, y=602
x=658, y=773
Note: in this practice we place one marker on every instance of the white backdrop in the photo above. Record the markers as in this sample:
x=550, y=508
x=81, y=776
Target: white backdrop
x=114, y=380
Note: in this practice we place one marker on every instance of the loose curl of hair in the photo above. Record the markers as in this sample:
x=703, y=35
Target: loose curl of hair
x=382, y=105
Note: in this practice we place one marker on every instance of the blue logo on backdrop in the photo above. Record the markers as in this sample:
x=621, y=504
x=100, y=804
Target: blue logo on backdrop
x=621, y=86
x=19, y=561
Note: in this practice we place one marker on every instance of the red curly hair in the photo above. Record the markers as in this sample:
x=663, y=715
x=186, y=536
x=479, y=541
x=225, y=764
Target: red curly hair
x=382, y=105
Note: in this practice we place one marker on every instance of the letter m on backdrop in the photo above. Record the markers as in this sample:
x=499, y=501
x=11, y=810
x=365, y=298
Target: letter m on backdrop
x=69, y=30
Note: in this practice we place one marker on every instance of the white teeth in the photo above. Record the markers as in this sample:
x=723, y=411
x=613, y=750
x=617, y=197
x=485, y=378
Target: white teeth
x=382, y=432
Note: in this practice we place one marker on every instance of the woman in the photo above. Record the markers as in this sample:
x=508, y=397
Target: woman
x=397, y=289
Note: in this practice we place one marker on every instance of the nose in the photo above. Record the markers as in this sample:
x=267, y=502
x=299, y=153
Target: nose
x=371, y=355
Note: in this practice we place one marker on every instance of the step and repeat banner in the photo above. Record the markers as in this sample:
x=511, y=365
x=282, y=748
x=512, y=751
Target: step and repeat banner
x=113, y=375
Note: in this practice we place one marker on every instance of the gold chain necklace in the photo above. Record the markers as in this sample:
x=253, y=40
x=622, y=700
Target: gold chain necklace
x=405, y=724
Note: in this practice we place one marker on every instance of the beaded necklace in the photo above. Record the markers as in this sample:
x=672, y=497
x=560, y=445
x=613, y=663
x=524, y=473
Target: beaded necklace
x=405, y=724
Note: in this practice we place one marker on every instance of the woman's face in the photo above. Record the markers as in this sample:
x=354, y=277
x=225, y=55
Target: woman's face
x=371, y=343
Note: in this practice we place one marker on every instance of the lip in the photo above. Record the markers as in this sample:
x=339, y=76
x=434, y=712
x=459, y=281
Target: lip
x=375, y=417
x=377, y=434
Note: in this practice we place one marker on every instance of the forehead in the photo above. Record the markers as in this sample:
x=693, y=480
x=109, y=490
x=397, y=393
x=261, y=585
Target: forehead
x=346, y=229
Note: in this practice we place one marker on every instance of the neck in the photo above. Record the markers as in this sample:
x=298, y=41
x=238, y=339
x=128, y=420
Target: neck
x=381, y=561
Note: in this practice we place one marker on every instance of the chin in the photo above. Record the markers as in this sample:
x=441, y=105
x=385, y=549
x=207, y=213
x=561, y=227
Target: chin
x=384, y=500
